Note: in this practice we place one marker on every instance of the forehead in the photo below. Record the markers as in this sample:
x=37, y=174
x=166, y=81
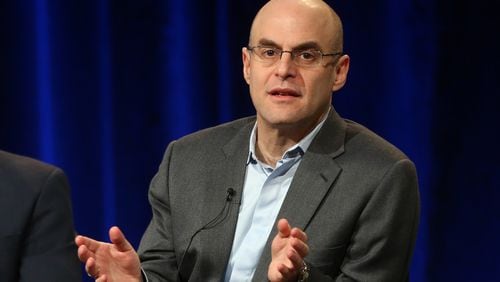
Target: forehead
x=289, y=27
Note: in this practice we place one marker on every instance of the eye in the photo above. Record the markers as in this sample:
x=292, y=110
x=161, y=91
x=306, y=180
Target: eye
x=268, y=52
x=308, y=55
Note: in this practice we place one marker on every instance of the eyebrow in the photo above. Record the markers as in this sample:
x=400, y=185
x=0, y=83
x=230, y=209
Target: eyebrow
x=302, y=46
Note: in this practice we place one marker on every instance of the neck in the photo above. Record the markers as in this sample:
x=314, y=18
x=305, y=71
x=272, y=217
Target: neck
x=273, y=141
x=270, y=148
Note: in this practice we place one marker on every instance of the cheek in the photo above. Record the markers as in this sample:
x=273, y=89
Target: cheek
x=320, y=92
x=326, y=84
x=320, y=86
x=255, y=88
x=257, y=80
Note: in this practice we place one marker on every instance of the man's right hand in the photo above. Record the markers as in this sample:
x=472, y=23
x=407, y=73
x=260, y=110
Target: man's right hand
x=109, y=262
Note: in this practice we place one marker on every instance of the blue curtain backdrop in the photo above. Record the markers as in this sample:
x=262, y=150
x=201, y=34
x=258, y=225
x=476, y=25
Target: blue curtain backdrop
x=100, y=87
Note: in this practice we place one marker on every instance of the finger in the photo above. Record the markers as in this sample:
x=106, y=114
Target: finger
x=90, y=243
x=299, y=234
x=300, y=247
x=91, y=268
x=84, y=254
x=78, y=240
x=284, y=228
x=103, y=278
x=119, y=240
x=274, y=273
x=295, y=260
x=284, y=271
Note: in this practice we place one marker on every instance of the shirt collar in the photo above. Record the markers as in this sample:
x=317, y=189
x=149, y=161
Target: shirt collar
x=299, y=148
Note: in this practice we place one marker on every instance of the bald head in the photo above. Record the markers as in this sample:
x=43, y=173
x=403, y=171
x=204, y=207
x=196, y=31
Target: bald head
x=310, y=14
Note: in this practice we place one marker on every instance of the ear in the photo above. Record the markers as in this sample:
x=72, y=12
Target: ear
x=340, y=72
x=245, y=57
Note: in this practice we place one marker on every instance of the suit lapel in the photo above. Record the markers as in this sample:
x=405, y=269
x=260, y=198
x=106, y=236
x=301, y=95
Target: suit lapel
x=217, y=242
x=312, y=182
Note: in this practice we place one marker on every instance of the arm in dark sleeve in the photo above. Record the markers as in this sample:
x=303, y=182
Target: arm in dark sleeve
x=383, y=240
x=49, y=252
x=156, y=249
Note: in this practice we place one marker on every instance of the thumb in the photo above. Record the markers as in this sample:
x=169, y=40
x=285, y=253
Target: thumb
x=118, y=239
x=284, y=228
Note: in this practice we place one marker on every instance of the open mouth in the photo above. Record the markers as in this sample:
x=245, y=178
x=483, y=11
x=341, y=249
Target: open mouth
x=283, y=93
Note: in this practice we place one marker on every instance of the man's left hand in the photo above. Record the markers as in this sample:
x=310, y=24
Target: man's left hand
x=288, y=250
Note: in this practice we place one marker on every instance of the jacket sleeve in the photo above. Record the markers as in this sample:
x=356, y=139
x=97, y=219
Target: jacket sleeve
x=383, y=240
x=49, y=252
x=156, y=250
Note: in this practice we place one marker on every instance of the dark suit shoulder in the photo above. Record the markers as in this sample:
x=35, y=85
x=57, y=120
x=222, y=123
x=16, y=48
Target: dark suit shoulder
x=22, y=172
x=36, y=222
x=23, y=181
x=217, y=135
x=370, y=143
x=368, y=153
x=204, y=148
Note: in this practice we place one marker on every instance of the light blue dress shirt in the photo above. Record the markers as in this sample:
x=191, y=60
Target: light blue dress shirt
x=264, y=190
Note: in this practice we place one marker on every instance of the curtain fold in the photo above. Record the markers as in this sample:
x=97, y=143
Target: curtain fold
x=101, y=87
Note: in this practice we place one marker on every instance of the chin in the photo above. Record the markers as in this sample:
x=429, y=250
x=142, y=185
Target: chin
x=283, y=122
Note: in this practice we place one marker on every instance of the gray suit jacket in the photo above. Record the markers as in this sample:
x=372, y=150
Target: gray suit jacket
x=36, y=223
x=354, y=194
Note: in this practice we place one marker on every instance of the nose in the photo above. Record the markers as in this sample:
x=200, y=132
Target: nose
x=286, y=67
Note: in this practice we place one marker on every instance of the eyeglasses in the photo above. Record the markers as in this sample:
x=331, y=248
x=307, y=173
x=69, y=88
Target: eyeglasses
x=303, y=58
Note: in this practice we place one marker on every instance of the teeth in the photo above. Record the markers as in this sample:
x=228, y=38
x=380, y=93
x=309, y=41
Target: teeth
x=282, y=94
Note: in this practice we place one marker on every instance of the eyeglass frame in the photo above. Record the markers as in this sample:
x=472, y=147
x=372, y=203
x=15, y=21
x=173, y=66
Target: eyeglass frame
x=294, y=53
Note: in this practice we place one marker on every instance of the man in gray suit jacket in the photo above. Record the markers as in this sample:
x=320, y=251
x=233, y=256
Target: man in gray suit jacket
x=294, y=194
x=36, y=223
